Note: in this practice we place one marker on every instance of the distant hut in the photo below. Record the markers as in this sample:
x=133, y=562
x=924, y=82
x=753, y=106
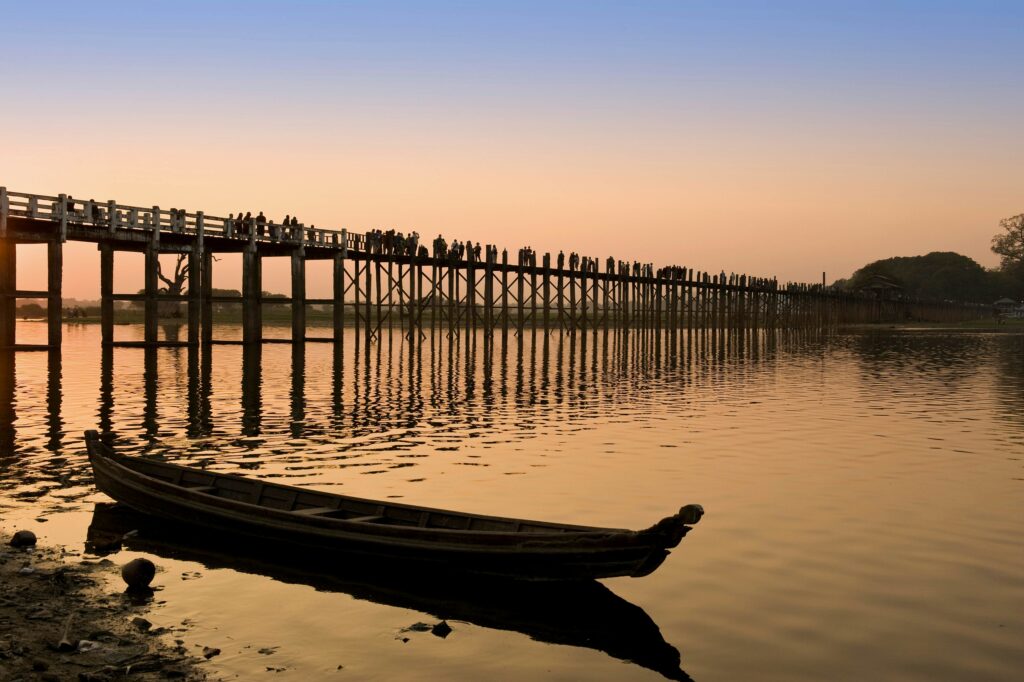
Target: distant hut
x=882, y=287
x=1007, y=307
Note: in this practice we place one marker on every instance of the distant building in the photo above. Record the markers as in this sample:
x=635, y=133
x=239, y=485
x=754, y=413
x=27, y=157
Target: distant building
x=882, y=287
x=1007, y=307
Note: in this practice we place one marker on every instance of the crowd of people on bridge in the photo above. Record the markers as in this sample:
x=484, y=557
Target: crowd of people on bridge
x=247, y=225
x=395, y=243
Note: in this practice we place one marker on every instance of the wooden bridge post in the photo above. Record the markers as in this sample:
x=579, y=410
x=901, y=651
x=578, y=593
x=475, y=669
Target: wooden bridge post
x=435, y=298
x=504, y=293
x=54, y=304
x=595, y=291
x=206, y=284
x=729, y=304
x=623, y=286
x=561, y=294
x=380, y=296
x=415, y=282
x=418, y=300
x=403, y=310
x=756, y=299
x=368, y=276
x=547, y=292
x=606, y=301
x=488, y=292
x=584, y=293
x=659, y=298
x=520, y=276
x=107, y=293
x=299, y=295
x=252, y=295
x=572, y=294
x=643, y=298
x=8, y=285
x=530, y=258
x=195, y=283
x=453, y=292
x=685, y=322
x=357, y=309
x=152, y=288
x=339, y=296
x=739, y=303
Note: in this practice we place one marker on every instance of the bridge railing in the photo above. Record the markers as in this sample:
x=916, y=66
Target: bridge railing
x=111, y=215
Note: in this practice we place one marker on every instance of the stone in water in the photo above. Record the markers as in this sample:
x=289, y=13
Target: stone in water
x=138, y=573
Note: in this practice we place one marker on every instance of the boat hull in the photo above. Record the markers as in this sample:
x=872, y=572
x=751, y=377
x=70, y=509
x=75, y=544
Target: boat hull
x=568, y=553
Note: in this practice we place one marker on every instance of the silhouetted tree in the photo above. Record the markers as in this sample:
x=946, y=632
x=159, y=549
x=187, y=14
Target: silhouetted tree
x=175, y=285
x=1010, y=244
x=178, y=283
x=941, y=275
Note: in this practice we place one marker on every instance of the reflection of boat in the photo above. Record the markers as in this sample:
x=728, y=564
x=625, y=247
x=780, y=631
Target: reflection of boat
x=579, y=613
x=328, y=522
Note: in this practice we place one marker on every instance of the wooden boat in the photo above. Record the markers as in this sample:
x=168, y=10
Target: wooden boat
x=581, y=613
x=338, y=524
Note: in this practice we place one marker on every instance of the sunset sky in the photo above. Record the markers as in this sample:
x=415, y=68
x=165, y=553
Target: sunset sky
x=784, y=138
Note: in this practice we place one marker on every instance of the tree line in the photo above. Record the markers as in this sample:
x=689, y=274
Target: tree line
x=949, y=276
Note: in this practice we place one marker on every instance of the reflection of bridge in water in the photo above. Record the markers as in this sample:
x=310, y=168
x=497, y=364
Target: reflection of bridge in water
x=375, y=288
x=373, y=386
x=357, y=391
x=394, y=382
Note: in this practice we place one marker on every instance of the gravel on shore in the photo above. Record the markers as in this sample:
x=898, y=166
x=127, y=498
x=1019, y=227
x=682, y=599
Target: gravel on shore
x=60, y=622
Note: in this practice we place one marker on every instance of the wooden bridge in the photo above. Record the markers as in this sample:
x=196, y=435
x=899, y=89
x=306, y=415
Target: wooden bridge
x=376, y=288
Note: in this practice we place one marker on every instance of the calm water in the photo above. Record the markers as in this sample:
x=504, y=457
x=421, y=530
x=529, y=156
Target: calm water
x=864, y=496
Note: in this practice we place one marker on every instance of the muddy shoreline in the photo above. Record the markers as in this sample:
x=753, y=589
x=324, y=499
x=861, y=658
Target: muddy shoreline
x=62, y=618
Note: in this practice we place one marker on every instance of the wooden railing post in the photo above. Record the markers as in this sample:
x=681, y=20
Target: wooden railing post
x=112, y=215
x=62, y=207
x=5, y=210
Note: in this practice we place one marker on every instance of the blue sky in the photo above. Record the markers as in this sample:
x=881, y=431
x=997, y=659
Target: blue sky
x=702, y=124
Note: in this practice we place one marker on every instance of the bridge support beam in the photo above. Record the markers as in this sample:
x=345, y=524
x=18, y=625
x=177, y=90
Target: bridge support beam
x=107, y=294
x=252, y=297
x=195, y=294
x=206, y=303
x=152, y=289
x=298, y=295
x=54, y=304
x=339, y=297
x=8, y=286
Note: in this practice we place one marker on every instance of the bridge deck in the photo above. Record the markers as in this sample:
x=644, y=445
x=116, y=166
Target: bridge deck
x=376, y=286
